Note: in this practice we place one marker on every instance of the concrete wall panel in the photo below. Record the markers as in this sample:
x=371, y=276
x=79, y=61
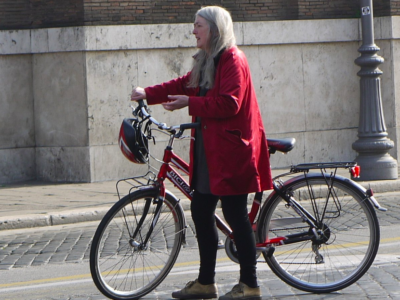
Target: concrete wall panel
x=394, y=136
x=278, y=78
x=17, y=164
x=387, y=81
x=15, y=42
x=60, y=99
x=395, y=70
x=144, y=36
x=107, y=162
x=63, y=164
x=332, y=145
x=17, y=128
x=331, y=86
x=163, y=65
x=295, y=32
x=110, y=77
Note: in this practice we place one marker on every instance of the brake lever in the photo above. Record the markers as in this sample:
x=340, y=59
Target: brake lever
x=135, y=110
x=186, y=137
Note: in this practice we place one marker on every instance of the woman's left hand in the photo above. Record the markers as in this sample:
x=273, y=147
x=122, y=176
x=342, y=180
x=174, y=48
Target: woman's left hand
x=177, y=102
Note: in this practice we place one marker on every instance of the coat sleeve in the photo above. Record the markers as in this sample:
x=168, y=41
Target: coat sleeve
x=157, y=94
x=224, y=100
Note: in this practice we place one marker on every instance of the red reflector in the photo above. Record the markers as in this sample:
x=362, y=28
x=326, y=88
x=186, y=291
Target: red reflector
x=355, y=171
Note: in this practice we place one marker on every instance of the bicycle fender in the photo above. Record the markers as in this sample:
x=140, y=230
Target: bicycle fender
x=366, y=192
x=177, y=205
x=355, y=185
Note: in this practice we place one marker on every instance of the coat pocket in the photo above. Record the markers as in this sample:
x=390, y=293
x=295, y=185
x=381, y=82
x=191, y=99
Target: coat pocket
x=235, y=135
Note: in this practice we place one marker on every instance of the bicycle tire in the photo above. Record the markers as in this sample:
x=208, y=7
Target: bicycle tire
x=121, y=266
x=347, y=247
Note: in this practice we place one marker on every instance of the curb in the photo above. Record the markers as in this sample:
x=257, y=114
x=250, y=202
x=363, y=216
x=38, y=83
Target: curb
x=96, y=214
x=382, y=186
x=53, y=218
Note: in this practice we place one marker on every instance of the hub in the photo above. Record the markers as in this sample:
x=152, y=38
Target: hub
x=136, y=245
x=321, y=235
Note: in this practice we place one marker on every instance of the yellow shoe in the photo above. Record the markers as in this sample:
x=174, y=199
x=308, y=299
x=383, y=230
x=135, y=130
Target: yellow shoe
x=196, y=290
x=242, y=291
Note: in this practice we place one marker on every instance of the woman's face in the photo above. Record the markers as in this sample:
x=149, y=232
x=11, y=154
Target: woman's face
x=201, y=31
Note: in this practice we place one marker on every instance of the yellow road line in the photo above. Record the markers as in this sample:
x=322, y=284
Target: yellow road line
x=45, y=280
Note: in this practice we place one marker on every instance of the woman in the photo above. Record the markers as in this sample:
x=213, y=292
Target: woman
x=219, y=93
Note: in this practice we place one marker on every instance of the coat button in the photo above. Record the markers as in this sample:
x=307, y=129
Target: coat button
x=205, y=127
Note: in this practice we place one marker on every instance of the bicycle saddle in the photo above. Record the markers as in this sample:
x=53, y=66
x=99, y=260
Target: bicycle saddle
x=281, y=145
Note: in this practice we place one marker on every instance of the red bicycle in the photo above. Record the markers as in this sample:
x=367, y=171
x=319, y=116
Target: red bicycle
x=317, y=231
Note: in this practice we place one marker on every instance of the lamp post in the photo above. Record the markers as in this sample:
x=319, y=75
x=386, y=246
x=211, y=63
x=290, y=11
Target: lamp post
x=372, y=144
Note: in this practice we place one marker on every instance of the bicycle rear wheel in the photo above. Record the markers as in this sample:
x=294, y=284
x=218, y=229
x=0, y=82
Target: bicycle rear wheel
x=123, y=265
x=335, y=255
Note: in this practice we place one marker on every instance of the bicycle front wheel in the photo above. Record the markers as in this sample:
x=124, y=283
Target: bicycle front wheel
x=336, y=253
x=135, y=247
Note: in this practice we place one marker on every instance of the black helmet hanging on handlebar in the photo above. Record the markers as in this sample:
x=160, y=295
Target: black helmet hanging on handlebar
x=133, y=142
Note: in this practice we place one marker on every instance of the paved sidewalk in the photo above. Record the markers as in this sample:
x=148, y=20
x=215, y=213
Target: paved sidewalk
x=33, y=204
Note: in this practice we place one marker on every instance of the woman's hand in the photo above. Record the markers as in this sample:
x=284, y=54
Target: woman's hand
x=138, y=93
x=177, y=102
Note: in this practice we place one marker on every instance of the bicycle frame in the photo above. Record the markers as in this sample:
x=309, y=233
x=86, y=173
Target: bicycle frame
x=171, y=161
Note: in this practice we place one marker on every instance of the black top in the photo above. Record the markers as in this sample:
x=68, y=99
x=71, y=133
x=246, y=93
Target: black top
x=201, y=180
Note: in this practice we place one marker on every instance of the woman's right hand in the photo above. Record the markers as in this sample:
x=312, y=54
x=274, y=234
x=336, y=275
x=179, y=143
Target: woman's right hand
x=138, y=93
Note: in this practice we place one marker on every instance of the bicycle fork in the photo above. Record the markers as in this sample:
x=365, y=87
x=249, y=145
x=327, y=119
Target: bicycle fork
x=142, y=245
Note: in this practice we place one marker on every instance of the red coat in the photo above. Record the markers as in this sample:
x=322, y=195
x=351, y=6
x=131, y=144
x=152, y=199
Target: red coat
x=234, y=137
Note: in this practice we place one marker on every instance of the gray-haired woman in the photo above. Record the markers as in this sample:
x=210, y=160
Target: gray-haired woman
x=229, y=157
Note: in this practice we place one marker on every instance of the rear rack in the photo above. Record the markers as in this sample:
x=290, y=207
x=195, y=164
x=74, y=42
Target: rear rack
x=325, y=165
x=354, y=169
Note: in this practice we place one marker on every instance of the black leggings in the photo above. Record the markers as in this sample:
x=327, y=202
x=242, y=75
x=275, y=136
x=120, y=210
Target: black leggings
x=235, y=212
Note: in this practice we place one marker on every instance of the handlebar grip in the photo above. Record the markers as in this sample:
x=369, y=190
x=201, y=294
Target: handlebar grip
x=189, y=126
x=141, y=103
x=185, y=126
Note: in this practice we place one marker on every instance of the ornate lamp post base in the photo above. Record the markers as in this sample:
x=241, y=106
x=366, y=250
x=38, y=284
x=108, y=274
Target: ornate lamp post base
x=373, y=145
x=375, y=162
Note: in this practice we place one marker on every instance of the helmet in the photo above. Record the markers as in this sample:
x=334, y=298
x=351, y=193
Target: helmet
x=133, y=142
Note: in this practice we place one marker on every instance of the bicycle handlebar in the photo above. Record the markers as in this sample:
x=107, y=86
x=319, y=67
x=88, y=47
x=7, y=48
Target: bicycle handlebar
x=182, y=127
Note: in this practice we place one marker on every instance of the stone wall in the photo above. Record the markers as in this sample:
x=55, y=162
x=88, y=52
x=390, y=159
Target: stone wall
x=66, y=90
x=24, y=14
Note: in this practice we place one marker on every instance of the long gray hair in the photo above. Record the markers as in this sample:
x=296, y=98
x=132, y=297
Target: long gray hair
x=221, y=36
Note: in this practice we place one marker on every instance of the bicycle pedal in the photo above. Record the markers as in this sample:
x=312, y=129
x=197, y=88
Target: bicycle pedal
x=221, y=245
x=270, y=251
